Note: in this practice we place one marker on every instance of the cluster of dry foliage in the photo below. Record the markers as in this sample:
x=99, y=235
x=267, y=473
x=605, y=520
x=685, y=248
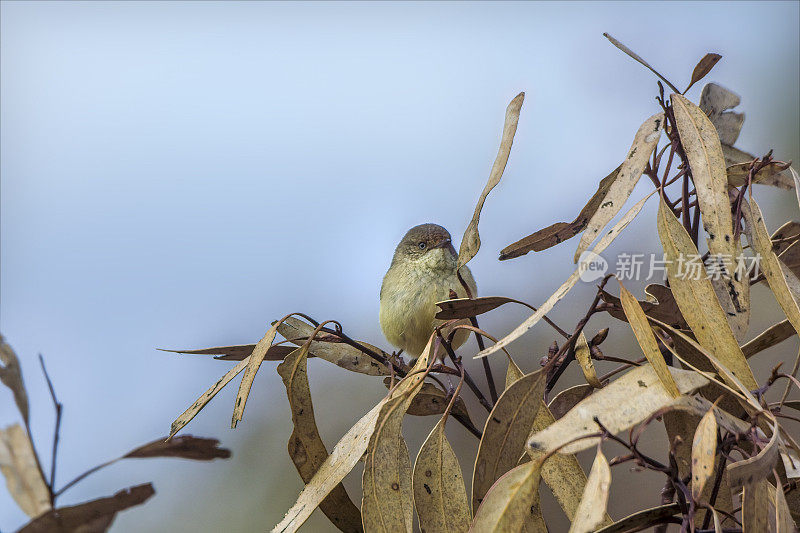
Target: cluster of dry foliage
x=36, y=494
x=730, y=466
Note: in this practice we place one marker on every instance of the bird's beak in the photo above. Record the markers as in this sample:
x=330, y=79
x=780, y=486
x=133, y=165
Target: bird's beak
x=442, y=244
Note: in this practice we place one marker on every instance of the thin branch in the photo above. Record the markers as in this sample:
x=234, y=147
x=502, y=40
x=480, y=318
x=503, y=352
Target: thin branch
x=56, y=433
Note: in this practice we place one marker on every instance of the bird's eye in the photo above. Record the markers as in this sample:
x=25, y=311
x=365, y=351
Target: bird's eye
x=422, y=245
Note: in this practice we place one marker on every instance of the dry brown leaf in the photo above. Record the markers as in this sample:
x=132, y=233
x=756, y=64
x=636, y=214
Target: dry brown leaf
x=752, y=469
x=507, y=504
x=469, y=307
x=239, y=352
x=472, y=241
x=347, y=452
x=513, y=373
x=770, y=174
x=715, y=101
x=643, y=519
x=755, y=507
x=568, y=398
x=201, y=402
x=778, y=276
x=184, y=447
x=771, y=336
x=336, y=466
x=562, y=472
x=561, y=231
x=440, y=496
x=11, y=377
x=783, y=515
x=306, y=448
x=659, y=304
x=584, y=357
x=635, y=57
x=647, y=340
x=507, y=427
x=735, y=386
x=644, y=142
x=431, y=400
x=592, y=509
x=338, y=353
x=697, y=301
x=387, y=500
x=387, y=495
x=90, y=517
x=704, y=452
x=707, y=162
x=531, y=321
x=253, y=364
x=619, y=406
x=19, y=466
x=796, y=180
x=702, y=68
x=682, y=423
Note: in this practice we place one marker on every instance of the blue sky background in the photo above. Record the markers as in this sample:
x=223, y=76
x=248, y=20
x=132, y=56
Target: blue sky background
x=179, y=174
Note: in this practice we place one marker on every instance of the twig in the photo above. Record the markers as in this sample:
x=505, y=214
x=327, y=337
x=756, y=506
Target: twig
x=486, y=367
x=59, y=408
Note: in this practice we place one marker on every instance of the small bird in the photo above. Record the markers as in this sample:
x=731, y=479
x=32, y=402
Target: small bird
x=423, y=272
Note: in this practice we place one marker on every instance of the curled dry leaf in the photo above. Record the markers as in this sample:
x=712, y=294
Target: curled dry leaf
x=619, y=406
x=768, y=338
x=568, y=398
x=584, y=357
x=506, y=506
x=203, y=400
x=780, y=278
x=697, y=300
x=11, y=377
x=346, y=453
x=531, y=321
x=90, y=517
x=253, y=364
x=439, y=492
x=592, y=509
x=338, y=353
x=239, y=352
x=752, y=469
x=642, y=520
x=647, y=340
x=306, y=448
x=431, y=400
x=20, y=468
x=472, y=241
x=644, y=142
x=507, y=427
x=702, y=68
x=561, y=231
x=704, y=451
x=513, y=373
x=184, y=447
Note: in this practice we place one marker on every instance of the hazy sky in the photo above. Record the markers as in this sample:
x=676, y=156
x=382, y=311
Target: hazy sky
x=179, y=174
